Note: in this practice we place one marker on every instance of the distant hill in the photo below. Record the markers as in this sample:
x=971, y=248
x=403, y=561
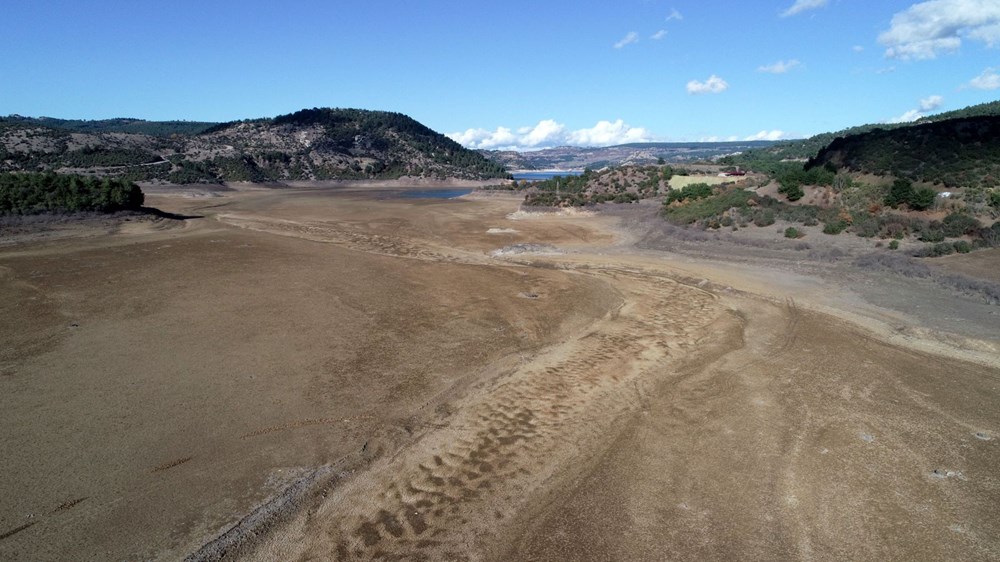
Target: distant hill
x=960, y=152
x=578, y=158
x=312, y=144
x=118, y=125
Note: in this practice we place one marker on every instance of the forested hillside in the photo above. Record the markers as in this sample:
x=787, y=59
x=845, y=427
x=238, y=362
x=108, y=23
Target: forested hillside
x=117, y=125
x=963, y=152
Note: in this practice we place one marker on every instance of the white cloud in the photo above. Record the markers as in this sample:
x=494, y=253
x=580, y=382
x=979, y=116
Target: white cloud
x=931, y=103
x=988, y=80
x=482, y=138
x=779, y=67
x=674, y=15
x=714, y=85
x=925, y=106
x=925, y=29
x=659, y=35
x=548, y=133
x=803, y=5
x=630, y=37
x=909, y=116
x=767, y=135
x=858, y=49
x=606, y=133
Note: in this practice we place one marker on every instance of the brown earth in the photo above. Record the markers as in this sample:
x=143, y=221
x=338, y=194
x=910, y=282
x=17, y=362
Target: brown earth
x=332, y=374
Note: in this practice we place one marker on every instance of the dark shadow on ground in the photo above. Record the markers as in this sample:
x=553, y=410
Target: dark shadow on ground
x=168, y=215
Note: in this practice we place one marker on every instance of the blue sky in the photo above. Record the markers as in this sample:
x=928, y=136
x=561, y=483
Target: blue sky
x=523, y=74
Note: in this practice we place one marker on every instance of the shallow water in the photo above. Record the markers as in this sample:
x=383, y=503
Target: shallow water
x=434, y=193
x=539, y=176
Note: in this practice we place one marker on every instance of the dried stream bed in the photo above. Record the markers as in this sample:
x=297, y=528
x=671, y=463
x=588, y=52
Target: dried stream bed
x=388, y=387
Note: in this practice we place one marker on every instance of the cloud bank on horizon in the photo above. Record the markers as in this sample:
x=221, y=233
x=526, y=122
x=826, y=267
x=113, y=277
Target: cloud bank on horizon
x=549, y=133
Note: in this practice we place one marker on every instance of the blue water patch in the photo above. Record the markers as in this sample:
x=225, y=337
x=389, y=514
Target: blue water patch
x=435, y=193
x=539, y=176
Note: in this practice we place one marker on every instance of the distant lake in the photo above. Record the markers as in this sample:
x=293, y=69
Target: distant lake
x=434, y=193
x=538, y=176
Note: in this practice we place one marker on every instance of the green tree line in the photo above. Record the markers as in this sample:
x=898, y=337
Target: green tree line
x=36, y=193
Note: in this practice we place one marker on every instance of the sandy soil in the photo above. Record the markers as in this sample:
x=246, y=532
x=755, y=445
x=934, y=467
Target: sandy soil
x=323, y=374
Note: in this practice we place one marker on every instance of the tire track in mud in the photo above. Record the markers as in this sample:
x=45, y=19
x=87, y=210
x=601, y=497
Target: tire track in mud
x=444, y=497
x=335, y=233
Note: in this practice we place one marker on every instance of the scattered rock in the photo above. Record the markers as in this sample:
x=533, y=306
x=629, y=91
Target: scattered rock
x=867, y=437
x=518, y=249
x=942, y=474
x=501, y=231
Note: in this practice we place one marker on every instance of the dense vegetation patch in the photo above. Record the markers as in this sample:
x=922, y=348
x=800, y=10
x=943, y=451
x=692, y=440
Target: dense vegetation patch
x=953, y=153
x=35, y=193
x=624, y=184
x=711, y=210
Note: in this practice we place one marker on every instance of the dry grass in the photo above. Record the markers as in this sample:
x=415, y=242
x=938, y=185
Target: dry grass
x=679, y=182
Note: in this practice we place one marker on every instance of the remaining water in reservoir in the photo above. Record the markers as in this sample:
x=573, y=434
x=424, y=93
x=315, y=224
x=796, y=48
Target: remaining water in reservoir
x=434, y=193
x=539, y=176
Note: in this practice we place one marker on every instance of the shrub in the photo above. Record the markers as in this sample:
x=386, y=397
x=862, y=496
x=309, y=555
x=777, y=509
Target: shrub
x=834, y=227
x=960, y=224
x=763, y=217
x=866, y=226
x=894, y=245
x=990, y=237
x=994, y=200
x=900, y=192
x=792, y=232
x=931, y=233
x=896, y=263
x=692, y=191
x=922, y=199
x=792, y=191
x=962, y=247
x=936, y=250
